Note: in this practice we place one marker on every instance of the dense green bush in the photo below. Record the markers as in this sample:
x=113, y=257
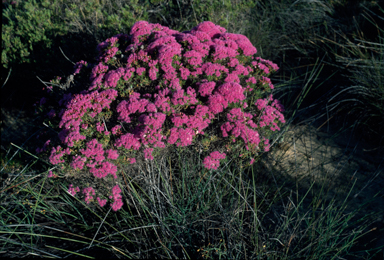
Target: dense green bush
x=27, y=25
x=32, y=24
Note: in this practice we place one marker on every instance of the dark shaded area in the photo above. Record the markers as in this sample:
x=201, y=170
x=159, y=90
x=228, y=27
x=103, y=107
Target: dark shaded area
x=24, y=88
x=21, y=95
x=350, y=20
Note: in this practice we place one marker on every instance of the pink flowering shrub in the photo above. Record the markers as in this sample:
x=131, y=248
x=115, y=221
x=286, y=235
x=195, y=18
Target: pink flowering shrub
x=155, y=88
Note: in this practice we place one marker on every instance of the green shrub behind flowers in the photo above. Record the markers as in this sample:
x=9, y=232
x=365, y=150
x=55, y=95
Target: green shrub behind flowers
x=158, y=88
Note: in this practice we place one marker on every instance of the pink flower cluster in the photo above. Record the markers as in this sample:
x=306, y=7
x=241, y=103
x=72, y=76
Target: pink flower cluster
x=271, y=115
x=157, y=87
x=227, y=93
x=101, y=202
x=98, y=166
x=89, y=193
x=212, y=161
x=78, y=66
x=108, y=48
x=264, y=65
x=73, y=190
x=57, y=153
x=240, y=124
x=51, y=175
x=83, y=105
x=117, y=198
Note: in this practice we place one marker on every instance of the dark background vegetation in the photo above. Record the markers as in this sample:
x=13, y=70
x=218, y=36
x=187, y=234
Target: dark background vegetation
x=331, y=52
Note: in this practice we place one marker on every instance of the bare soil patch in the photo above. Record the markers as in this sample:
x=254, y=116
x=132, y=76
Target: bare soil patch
x=336, y=163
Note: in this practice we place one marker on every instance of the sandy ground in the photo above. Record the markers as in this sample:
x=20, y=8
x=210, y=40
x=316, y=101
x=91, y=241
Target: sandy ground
x=339, y=164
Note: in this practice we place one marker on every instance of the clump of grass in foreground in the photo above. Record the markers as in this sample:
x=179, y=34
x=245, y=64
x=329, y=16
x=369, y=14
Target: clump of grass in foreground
x=180, y=210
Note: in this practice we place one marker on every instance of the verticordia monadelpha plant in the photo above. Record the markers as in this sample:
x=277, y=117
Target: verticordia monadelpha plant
x=156, y=88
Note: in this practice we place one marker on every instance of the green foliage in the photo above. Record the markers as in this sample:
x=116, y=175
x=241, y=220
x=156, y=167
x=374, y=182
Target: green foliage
x=27, y=25
x=183, y=15
x=35, y=23
x=102, y=19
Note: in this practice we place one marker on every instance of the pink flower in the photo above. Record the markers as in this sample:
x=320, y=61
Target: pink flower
x=201, y=36
x=51, y=175
x=99, y=69
x=128, y=141
x=116, y=196
x=112, y=154
x=217, y=103
x=103, y=170
x=151, y=108
x=233, y=62
x=232, y=77
x=266, y=145
x=270, y=114
x=186, y=136
x=143, y=56
x=72, y=190
x=78, y=66
x=99, y=127
x=174, y=135
x=261, y=104
x=242, y=41
x=133, y=105
x=231, y=92
x=153, y=72
x=56, y=155
x=78, y=162
x=128, y=73
x=113, y=76
x=140, y=70
x=101, y=202
x=212, y=161
x=111, y=42
x=213, y=68
x=94, y=150
x=184, y=73
x=206, y=88
x=116, y=129
x=267, y=81
x=209, y=28
x=148, y=153
x=89, y=193
x=140, y=28
x=222, y=52
x=193, y=57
